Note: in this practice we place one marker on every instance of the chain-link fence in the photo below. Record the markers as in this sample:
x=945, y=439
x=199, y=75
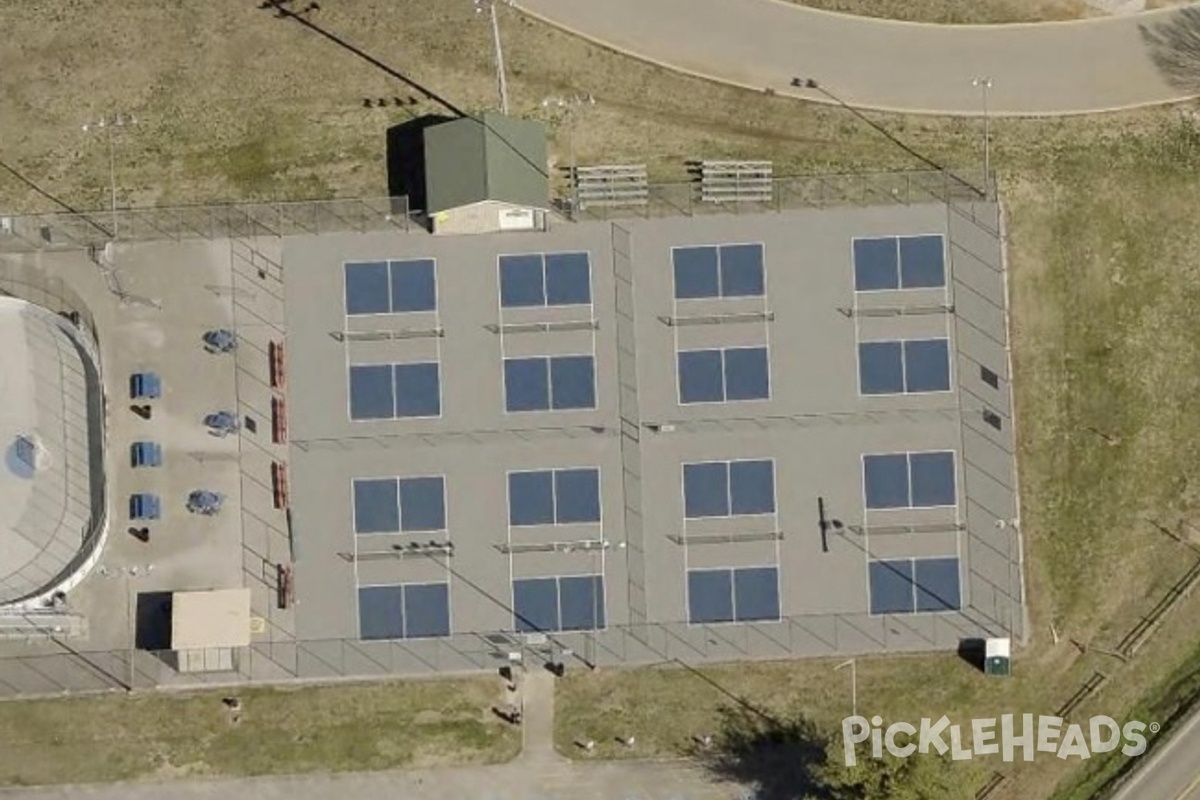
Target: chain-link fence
x=795, y=192
x=93, y=229
x=232, y=221
x=55, y=666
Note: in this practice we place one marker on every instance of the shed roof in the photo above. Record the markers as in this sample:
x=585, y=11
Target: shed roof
x=212, y=618
x=491, y=157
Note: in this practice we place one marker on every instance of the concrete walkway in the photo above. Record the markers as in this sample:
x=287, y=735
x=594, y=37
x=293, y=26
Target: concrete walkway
x=515, y=781
x=1036, y=69
x=539, y=773
x=537, y=702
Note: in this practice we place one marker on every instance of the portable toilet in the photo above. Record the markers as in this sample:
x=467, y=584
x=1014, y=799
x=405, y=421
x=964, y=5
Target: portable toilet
x=997, y=657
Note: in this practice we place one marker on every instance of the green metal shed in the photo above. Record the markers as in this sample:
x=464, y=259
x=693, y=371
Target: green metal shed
x=492, y=157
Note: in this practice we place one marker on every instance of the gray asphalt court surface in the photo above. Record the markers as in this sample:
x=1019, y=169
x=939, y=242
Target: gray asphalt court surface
x=770, y=439
x=582, y=429
x=748, y=373
x=1056, y=68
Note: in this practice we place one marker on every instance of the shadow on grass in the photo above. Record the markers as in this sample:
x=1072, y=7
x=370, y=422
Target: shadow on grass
x=283, y=10
x=58, y=201
x=406, y=159
x=792, y=759
x=781, y=759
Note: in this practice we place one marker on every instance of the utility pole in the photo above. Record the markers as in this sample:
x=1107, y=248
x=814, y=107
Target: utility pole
x=108, y=125
x=984, y=84
x=490, y=7
x=570, y=106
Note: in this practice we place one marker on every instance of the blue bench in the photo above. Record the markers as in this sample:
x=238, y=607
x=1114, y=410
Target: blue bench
x=220, y=341
x=146, y=454
x=145, y=385
x=204, y=501
x=144, y=506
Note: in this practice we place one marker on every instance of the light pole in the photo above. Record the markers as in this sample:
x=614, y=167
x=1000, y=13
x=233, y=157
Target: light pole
x=984, y=84
x=490, y=7
x=108, y=124
x=569, y=106
x=126, y=574
x=853, y=684
x=597, y=579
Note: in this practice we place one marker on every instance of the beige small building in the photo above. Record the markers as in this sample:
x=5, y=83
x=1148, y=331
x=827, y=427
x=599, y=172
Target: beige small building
x=487, y=174
x=208, y=628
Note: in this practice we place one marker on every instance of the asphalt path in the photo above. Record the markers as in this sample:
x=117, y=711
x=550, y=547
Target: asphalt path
x=1035, y=69
x=1171, y=773
x=518, y=780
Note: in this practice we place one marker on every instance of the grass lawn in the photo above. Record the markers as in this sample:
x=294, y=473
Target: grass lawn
x=1105, y=271
x=333, y=728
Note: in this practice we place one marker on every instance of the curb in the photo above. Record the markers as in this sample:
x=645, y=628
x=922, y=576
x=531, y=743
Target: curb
x=1149, y=12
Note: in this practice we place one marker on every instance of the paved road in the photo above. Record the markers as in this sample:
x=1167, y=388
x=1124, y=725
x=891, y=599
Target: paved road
x=1172, y=773
x=1049, y=68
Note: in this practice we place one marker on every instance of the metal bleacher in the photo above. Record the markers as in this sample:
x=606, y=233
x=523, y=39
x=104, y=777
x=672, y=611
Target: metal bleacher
x=611, y=185
x=736, y=182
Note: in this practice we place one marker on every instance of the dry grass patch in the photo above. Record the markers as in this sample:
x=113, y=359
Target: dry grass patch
x=236, y=104
x=334, y=728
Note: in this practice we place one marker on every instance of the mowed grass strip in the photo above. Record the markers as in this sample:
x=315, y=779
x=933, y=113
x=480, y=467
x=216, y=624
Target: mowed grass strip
x=330, y=728
x=666, y=708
